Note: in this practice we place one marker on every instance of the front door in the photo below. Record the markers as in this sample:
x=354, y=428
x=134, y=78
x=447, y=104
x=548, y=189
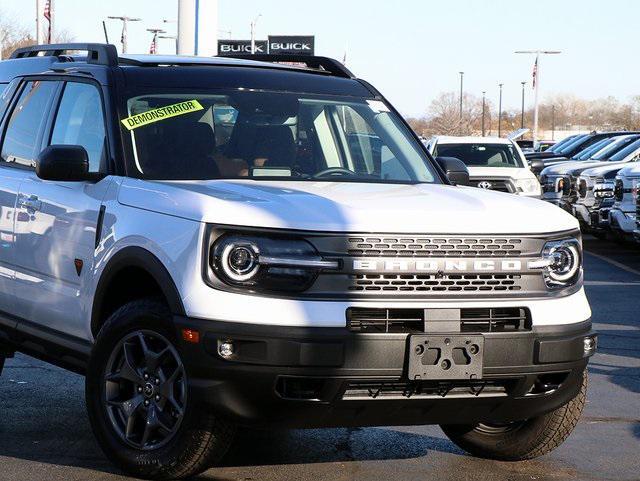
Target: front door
x=22, y=139
x=54, y=258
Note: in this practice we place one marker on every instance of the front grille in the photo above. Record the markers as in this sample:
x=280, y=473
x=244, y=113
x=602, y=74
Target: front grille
x=439, y=246
x=638, y=209
x=370, y=390
x=499, y=185
x=435, y=282
x=476, y=320
x=503, y=319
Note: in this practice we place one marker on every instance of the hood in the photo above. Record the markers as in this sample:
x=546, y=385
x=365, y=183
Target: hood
x=604, y=169
x=630, y=171
x=510, y=172
x=566, y=167
x=347, y=207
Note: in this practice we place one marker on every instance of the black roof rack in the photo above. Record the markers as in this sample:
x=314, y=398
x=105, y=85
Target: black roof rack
x=97, y=53
x=326, y=64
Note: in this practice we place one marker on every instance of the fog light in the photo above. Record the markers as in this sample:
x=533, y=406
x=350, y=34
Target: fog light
x=226, y=349
x=590, y=344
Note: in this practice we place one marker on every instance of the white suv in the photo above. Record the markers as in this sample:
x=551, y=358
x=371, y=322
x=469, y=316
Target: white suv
x=494, y=163
x=219, y=243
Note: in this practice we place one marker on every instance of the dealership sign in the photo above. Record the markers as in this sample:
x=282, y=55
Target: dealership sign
x=292, y=44
x=241, y=47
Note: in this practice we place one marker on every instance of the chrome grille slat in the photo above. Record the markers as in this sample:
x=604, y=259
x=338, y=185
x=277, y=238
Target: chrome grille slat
x=437, y=246
x=433, y=282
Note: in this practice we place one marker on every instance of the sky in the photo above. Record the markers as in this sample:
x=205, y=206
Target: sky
x=412, y=50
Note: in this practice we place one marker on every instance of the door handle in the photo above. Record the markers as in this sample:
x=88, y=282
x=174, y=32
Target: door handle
x=30, y=202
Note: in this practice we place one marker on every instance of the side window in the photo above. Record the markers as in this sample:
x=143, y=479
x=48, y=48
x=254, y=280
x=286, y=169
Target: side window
x=20, y=144
x=80, y=122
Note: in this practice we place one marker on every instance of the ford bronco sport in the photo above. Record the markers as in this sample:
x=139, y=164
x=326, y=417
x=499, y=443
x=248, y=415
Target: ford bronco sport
x=223, y=243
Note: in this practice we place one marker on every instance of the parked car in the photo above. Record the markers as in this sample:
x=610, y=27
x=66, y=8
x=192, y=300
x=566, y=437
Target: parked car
x=596, y=190
x=312, y=265
x=561, y=180
x=623, y=215
x=494, y=163
x=579, y=143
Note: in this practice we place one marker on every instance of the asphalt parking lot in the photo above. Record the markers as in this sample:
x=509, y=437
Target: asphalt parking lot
x=45, y=434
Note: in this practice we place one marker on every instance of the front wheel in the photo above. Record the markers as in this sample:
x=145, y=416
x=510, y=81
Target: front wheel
x=520, y=440
x=140, y=405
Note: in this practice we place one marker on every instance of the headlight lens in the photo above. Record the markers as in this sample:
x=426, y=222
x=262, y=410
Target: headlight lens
x=267, y=264
x=565, y=262
x=528, y=186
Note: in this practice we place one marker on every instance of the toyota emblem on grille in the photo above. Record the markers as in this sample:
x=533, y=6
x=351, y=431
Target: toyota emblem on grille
x=485, y=185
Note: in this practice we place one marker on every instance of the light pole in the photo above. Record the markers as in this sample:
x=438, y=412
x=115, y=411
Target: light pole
x=461, y=84
x=500, y=112
x=536, y=84
x=484, y=93
x=253, y=33
x=125, y=21
x=522, y=109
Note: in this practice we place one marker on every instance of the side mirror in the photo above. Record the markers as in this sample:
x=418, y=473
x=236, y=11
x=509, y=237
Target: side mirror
x=536, y=166
x=455, y=169
x=66, y=163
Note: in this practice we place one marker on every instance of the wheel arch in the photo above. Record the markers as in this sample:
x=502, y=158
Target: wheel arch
x=148, y=267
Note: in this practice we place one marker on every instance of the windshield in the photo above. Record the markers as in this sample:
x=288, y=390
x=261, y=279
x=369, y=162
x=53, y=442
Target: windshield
x=633, y=148
x=577, y=142
x=557, y=146
x=482, y=155
x=592, y=149
x=266, y=135
x=614, y=147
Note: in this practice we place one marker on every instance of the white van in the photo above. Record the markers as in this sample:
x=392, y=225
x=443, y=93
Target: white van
x=494, y=163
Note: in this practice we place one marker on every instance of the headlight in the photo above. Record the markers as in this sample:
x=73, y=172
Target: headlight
x=563, y=260
x=528, y=186
x=266, y=263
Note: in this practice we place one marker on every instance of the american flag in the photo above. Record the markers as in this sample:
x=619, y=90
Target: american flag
x=535, y=73
x=154, y=44
x=47, y=15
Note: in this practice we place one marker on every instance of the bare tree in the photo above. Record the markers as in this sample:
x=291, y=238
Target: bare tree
x=13, y=35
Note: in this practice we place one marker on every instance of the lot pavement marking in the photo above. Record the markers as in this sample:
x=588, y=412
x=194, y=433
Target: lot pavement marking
x=614, y=263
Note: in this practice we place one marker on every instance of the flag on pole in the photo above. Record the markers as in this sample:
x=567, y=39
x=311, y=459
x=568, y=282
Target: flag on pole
x=154, y=44
x=535, y=73
x=47, y=15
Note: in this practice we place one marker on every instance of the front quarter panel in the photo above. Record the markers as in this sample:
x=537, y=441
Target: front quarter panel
x=174, y=241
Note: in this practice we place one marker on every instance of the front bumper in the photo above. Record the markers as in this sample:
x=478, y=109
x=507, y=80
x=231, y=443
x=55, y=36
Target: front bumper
x=624, y=222
x=324, y=377
x=595, y=218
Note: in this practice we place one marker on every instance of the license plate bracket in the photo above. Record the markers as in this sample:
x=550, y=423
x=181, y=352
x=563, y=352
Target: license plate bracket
x=445, y=357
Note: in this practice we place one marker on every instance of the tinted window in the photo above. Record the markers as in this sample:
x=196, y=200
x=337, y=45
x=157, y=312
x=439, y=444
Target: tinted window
x=20, y=141
x=80, y=122
x=614, y=147
x=629, y=149
x=266, y=135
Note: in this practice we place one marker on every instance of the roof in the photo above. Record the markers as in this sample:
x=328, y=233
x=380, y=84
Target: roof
x=308, y=74
x=447, y=139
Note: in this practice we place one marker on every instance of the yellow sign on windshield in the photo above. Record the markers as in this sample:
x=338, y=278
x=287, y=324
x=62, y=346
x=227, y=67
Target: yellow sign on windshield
x=155, y=115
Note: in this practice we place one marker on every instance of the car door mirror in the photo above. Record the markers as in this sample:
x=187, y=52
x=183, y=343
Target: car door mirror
x=66, y=163
x=456, y=171
x=536, y=166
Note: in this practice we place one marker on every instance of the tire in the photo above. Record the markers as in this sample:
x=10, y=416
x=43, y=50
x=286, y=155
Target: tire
x=520, y=440
x=141, y=407
x=2, y=359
